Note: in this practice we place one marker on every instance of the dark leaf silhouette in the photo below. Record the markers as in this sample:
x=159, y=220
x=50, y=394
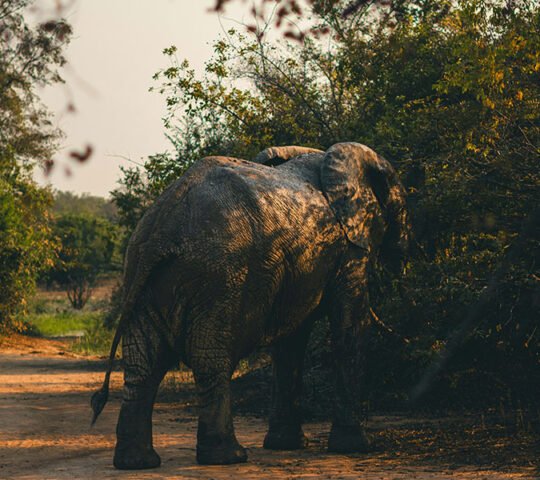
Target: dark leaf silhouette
x=48, y=166
x=82, y=156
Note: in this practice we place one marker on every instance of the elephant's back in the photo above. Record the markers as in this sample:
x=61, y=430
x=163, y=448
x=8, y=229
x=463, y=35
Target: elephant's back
x=237, y=198
x=220, y=197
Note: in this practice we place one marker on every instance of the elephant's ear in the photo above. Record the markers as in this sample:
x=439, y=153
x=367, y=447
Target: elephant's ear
x=275, y=156
x=357, y=182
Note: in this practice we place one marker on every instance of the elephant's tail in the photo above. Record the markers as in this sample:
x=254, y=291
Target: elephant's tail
x=99, y=398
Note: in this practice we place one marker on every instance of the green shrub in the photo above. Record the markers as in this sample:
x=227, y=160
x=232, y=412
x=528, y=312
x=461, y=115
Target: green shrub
x=26, y=245
x=87, y=249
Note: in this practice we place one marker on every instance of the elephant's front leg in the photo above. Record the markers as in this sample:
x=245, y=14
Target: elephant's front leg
x=349, y=322
x=216, y=441
x=145, y=364
x=285, y=429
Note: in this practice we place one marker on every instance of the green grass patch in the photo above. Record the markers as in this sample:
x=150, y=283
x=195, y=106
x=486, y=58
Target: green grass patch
x=96, y=341
x=52, y=316
x=63, y=323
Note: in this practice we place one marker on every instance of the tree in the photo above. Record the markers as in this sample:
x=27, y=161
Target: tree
x=87, y=248
x=26, y=246
x=71, y=203
x=29, y=57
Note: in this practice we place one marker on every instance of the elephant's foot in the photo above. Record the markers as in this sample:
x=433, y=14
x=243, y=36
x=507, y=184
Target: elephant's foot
x=285, y=438
x=133, y=457
x=348, y=439
x=226, y=453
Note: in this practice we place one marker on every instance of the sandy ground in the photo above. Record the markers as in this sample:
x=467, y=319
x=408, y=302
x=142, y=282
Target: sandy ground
x=45, y=432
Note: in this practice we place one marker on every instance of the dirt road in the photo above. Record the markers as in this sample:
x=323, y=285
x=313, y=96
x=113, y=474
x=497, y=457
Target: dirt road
x=45, y=433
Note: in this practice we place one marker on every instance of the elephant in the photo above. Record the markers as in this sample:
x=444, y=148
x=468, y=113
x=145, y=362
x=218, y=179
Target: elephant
x=239, y=254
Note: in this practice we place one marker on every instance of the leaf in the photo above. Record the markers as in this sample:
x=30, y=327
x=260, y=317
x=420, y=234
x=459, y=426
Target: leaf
x=82, y=156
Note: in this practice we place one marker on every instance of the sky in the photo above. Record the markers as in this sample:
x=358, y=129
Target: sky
x=116, y=48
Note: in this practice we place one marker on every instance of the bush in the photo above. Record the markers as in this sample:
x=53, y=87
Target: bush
x=87, y=249
x=26, y=245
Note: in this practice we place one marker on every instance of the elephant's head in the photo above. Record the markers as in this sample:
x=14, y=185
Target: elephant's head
x=368, y=200
x=364, y=193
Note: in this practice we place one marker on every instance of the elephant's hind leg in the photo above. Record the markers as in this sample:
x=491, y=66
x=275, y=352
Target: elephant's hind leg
x=216, y=441
x=285, y=429
x=146, y=361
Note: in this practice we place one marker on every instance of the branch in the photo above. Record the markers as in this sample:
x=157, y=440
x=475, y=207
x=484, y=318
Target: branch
x=291, y=94
x=386, y=328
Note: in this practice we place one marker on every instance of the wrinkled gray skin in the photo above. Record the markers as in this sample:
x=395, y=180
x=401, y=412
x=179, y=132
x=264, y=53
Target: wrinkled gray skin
x=238, y=254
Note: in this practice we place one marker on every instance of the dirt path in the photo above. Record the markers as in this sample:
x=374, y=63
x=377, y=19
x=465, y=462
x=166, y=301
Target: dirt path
x=45, y=433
